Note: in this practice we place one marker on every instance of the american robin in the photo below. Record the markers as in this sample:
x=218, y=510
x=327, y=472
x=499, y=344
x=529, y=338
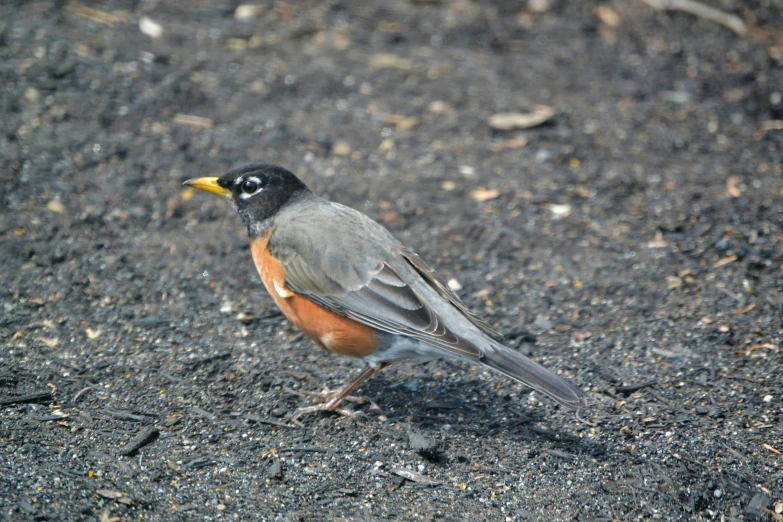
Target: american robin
x=355, y=290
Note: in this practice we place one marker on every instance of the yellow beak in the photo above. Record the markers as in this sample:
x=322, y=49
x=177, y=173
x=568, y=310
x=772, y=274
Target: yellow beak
x=208, y=184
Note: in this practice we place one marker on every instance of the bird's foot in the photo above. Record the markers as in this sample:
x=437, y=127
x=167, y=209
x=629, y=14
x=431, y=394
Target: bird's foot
x=331, y=400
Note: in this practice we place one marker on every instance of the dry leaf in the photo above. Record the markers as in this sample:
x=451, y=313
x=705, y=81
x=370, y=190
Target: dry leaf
x=673, y=282
x=484, y=194
x=407, y=123
x=731, y=186
x=389, y=61
x=341, y=148
x=518, y=120
x=607, y=15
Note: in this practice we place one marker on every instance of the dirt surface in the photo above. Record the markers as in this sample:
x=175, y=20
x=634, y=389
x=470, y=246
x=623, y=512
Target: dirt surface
x=635, y=245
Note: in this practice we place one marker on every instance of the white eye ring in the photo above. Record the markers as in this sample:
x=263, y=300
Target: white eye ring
x=250, y=187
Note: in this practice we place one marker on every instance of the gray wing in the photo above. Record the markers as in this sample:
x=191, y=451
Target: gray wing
x=363, y=275
x=439, y=285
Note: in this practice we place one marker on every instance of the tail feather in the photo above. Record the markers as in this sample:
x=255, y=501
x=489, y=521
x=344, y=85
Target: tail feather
x=518, y=367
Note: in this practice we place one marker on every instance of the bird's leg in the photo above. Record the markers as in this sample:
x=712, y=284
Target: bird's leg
x=337, y=397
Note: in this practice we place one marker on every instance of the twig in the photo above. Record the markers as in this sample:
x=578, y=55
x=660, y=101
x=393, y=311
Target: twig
x=144, y=437
x=733, y=22
x=33, y=397
x=262, y=420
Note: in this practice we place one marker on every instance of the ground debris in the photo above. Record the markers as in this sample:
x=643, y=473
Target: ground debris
x=413, y=476
x=144, y=437
x=518, y=120
x=32, y=397
x=733, y=22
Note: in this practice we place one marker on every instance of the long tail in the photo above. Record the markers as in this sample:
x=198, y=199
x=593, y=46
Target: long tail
x=518, y=367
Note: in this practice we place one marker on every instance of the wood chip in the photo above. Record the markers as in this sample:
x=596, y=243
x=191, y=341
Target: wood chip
x=407, y=123
x=483, y=194
x=745, y=310
x=51, y=342
x=107, y=493
x=731, y=186
x=102, y=17
x=518, y=120
x=771, y=448
x=56, y=206
x=92, y=334
x=198, y=122
x=725, y=261
x=673, y=282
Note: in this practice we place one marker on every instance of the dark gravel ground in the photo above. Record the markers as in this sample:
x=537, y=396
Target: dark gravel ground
x=636, y=246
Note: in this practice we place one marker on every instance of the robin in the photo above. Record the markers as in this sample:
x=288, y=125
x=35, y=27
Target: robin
x=355, y=290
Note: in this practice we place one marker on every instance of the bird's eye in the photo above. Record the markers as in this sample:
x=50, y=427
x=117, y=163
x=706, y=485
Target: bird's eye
x=250, y=186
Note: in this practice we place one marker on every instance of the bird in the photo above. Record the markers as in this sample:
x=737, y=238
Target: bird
x=347, y=283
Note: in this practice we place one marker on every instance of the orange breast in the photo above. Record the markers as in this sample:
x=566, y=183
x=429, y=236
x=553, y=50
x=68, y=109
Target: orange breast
x=329, y=330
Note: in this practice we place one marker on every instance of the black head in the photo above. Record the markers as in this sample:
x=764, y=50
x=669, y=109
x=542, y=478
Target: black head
x=257, y=191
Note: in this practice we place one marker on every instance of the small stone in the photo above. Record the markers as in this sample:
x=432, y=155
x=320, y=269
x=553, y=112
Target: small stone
x=454, y=285
x=248, y=11
x=542, y=323
x=56, y=206
x=32, y=94
x=150, y=27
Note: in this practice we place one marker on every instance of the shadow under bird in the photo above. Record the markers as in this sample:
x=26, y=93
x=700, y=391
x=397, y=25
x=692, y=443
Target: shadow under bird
x=355, y=290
